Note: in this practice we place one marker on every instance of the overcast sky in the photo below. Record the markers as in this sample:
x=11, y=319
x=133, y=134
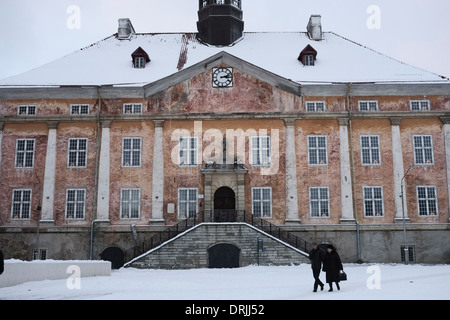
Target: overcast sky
x=35, y=32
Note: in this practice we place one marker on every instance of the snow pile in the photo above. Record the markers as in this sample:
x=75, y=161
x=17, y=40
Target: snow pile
x=365, y=282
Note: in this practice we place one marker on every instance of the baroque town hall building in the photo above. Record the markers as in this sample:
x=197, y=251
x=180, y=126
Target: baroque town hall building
x=318, y=136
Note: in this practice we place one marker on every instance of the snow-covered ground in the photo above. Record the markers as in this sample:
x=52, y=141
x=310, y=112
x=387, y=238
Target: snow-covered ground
x=365, y=282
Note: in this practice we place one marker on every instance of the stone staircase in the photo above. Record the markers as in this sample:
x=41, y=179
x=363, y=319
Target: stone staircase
x=224, y=244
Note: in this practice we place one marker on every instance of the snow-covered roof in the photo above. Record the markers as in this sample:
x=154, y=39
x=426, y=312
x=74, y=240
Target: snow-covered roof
x=108, y=62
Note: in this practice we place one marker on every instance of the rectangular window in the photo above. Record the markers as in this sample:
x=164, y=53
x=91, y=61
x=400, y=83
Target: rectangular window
x=410, y=253
x=79, y=109
x=260, y=151
x=77, y=154
x=262, y=202
x=26, y=110
x=315, y=106
x=370, y=150
x=132, y=108
x=317, y=150
x=130, y=203
x=423, y=149
x=188, y=151
x=368, y=105
x=187, y=203
x=309, y=60
x=131, y=152
x=427, y=200
x=419, y=105
x=75, y=203
x=25, y=153
x=21, y=204
x=139, y=62
x=319, y=202
x=373, y=201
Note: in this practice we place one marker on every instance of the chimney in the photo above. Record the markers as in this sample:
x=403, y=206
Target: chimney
x=125, y=29
x=314, y=27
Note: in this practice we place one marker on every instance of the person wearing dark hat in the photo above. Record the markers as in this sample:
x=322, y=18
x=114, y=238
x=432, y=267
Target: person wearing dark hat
x=316, y=257
x=332, y=265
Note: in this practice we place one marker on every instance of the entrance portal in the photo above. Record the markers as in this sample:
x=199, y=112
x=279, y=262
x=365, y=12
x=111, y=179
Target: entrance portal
x=115, y=255
x=223, y=255
x=224, y=205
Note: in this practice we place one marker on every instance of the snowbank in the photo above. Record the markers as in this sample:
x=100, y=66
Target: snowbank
x=18, y=271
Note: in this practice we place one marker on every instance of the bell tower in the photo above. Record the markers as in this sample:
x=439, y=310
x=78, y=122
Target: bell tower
x=220, y=21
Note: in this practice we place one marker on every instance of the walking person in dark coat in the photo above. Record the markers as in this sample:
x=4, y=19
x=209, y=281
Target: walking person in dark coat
x=316, y=258
x=332, y=265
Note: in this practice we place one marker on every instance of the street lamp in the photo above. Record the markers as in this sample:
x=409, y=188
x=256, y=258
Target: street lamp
x=403, y=214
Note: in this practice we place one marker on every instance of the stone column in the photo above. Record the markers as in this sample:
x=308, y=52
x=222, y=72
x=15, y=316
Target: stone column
x=104, y=174
x=291, y=174
x=397, y=158
x=446, y=121
x=158, y=175
x=347, y=215
x=48, y=193
x=2, y=124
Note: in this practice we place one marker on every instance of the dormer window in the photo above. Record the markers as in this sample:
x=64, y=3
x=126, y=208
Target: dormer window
x=308, y=56
x=140, y=58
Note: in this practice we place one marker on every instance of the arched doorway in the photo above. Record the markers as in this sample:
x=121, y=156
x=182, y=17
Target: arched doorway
x=115, y=255
x=223, y=255
x=224, y=205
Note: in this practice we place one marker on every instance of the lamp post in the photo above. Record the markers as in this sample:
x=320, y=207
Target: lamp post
x=403, y=214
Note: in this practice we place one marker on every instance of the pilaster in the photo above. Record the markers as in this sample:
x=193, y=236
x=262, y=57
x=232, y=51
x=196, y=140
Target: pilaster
x=49, y=176
x=104, y=174
x=347, y=215
x=291, y=174
x=158, y=175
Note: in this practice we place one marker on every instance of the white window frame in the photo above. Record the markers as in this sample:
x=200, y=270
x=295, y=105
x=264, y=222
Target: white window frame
x=24, y=213
x=129, y=203
x=419, y=105
x=369, y=150
x=139, y=62
x=187, y=208
x=373, y=201
x=309, y=60
x=132, y=108
x=322, y=202
x=368, y=105
x=25, y=152
x=428, y=200
x=259, y=196
x=26, y=110
x=317, y=150
x=423, y=150
x=77, y=203
x=80, y=109
x=188, y=151
x=133, y=153
x=78, y=153
x=260, y=151
x=316, y=106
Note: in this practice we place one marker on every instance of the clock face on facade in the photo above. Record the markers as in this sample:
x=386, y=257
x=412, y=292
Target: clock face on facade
x=222, y=77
